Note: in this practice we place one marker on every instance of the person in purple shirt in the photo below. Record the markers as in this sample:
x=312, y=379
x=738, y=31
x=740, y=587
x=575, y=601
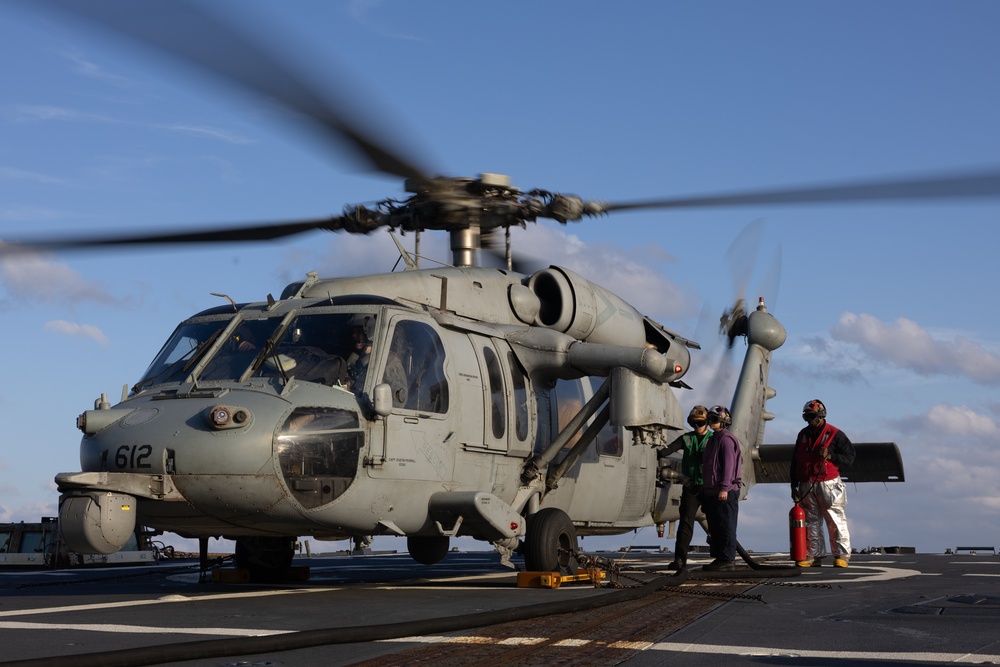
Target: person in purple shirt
x=722, y=465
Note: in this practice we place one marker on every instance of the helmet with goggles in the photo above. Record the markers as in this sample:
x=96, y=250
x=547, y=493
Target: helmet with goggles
x=698, y=416
x=813, y=409
x=720, y=414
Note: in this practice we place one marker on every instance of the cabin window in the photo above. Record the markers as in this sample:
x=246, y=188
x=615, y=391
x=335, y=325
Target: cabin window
x=543, y=423
x=414, y=368
x=32, y=542
x=609, y=441
x=520, y=388
x=318, y=450
x=498, y=401
x=569, y=401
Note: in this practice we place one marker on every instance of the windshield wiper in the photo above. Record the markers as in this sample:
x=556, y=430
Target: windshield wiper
x=270, y=349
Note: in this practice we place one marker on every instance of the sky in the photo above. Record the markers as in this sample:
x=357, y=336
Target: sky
x=889, y=307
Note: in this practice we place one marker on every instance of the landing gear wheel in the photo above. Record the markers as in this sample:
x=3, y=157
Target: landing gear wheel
x=427, y=550
x=268, y=559
x=550, y=543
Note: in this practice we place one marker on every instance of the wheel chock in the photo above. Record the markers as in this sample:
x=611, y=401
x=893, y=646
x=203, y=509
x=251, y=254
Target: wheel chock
x=555, y=580
x=231, y=575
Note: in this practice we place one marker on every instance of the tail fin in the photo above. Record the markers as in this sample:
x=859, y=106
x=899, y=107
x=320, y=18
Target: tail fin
x=764, y=335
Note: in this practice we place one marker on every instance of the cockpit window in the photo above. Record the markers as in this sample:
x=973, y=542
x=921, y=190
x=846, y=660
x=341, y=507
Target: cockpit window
x=235, y=355
x=180, y=353
x=414, y=368
x=331, y=349
x=326, y=348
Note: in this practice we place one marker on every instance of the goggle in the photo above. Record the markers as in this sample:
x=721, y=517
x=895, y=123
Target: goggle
x=809, y=416
x=697, y=422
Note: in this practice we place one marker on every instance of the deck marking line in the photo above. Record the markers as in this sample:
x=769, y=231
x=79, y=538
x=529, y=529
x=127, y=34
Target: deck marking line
x=762, y=651
x=142, y=629
x=170, y=599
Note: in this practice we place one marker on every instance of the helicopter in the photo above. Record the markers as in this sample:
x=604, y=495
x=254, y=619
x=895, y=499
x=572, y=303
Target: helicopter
x=523, y=409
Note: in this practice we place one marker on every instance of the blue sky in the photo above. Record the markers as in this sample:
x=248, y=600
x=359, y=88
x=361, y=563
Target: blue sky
x=889, y=307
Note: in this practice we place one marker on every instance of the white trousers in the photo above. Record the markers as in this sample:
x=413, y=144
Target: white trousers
x=824, y=503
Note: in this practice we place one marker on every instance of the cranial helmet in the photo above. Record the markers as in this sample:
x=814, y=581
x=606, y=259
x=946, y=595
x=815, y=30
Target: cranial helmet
x=814, y=408
x=364, y=325
x=698, y=413
x=722, y=412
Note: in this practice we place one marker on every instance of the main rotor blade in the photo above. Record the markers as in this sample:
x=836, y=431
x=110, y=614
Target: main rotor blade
x=187, y=33
x=976, y=184
x=262, y=232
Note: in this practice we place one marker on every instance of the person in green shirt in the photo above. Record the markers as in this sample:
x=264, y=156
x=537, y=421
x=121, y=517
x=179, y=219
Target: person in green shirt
x=693, y=445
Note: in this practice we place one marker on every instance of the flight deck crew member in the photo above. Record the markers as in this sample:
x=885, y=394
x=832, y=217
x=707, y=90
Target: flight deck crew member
x=692, y=444
x=722, y=465
x=821, y=450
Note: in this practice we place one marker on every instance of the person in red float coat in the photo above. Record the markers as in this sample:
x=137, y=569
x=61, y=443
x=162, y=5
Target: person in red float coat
x=821, y=450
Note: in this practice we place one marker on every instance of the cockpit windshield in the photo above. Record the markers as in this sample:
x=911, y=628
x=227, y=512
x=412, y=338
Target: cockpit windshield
x=326, y=348
x=233, y=357
x=180, y=353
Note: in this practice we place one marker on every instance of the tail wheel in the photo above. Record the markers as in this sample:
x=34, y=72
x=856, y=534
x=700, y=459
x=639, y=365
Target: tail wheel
x=427, y=550
x=550, y=544
x=269, y=559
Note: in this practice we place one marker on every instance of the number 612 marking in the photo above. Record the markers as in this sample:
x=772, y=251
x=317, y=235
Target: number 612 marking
x=135, y=456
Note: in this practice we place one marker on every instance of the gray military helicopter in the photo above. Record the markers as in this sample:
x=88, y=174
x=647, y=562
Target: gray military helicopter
x=523, y=409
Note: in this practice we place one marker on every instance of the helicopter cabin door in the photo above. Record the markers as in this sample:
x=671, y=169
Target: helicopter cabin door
x=415, y=443
x=508, y=420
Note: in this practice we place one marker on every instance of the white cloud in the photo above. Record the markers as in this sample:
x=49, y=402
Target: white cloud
x=960, y=421
x=905, y=344
x=77, y=330
x=29, y=512
x=30, y=276
x=943, y=422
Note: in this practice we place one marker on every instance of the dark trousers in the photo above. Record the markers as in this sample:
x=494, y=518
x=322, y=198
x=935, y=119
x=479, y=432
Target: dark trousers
x=722, y=516
x=690, y=502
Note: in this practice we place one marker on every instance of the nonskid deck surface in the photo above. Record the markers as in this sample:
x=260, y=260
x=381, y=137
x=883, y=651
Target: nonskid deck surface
x=884, y=609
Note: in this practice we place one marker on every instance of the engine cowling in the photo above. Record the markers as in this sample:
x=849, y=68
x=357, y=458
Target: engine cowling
x=573, y=305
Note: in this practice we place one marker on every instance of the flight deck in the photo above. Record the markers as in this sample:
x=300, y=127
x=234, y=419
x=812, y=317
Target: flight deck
x=384, y=609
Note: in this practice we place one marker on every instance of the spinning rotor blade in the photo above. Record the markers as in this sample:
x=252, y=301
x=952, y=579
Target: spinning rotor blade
x=976, y=184
x=185, y=32
x=741, y=256
x=770, y=284
x=262, y=232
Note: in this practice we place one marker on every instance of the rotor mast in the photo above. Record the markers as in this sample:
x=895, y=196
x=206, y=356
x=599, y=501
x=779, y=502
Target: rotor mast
x=464, y=244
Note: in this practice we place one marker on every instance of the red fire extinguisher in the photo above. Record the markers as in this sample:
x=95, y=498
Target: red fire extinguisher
x=797, y=533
